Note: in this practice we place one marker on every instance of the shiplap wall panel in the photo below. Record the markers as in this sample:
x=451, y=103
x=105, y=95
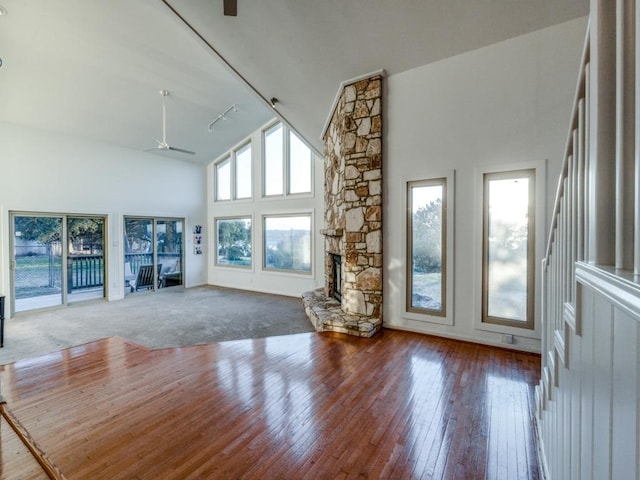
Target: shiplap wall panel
x=602, y=329
x=575, y=351
x=585, y=367
x=624, y=409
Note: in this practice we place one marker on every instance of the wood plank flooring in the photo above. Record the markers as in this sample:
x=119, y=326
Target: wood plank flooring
x=307, y=406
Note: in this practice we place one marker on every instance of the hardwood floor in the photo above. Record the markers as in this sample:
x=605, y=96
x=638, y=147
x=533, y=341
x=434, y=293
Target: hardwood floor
x=307, y=406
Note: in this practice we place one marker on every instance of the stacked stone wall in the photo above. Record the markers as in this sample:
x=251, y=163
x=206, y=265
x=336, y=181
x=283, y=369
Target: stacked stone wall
x=353, y=195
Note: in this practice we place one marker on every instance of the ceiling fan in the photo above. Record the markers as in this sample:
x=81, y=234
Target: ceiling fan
x=163, y=145
x=231, y=8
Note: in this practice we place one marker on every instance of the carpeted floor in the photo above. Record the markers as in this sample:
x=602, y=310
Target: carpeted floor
x=168, y=318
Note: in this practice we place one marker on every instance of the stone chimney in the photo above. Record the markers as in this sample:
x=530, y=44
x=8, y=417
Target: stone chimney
x=353, y=213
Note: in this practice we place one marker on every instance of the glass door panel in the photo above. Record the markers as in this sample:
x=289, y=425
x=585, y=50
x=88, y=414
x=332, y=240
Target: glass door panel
x=138, y=255
x=85, y=261
x=169, y=235
x=37, y=262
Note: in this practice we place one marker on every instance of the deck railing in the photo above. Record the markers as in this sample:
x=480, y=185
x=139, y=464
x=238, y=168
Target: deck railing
x=137, y=259
x=85, y=271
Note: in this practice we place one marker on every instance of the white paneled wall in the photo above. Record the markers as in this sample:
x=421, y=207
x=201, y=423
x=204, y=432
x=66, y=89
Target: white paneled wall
x=588, y=410
x=588, y=401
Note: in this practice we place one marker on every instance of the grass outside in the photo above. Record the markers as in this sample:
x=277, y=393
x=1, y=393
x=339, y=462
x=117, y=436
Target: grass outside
x=427, y=290
x=38, y=275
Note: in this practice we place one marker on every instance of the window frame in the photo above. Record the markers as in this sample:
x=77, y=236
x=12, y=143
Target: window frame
x=216, y=241
x=487, y=177
x=216, y=180
x=427, y=315
x=442, y=182
x=289, y=162
x=286, y=163
x=232, y=158
x=235, y=179
x=305, y=273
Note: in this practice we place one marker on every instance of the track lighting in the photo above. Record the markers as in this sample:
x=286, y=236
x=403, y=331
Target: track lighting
x=223, y=115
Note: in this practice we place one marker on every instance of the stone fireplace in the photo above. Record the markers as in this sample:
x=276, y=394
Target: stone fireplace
x=353, y=214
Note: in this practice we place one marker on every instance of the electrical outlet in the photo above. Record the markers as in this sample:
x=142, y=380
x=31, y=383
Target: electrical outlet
x=506, y=338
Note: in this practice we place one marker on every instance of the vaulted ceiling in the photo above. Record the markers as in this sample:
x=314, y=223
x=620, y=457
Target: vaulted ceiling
x=93, y=69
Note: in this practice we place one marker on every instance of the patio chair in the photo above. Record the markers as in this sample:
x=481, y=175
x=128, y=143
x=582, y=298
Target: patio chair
x=145, y=279
x=129, y=277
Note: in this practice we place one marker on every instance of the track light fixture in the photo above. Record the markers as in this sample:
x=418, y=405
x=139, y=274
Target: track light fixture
x=223, y=115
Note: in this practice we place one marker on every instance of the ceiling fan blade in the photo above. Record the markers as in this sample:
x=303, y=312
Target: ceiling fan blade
x=181, y=150
x=163, y=145
x=231, y=8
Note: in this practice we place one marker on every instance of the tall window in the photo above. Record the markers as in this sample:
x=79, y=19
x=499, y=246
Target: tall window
x=299, y=165
x=233, y=241
x=427, y=241
x=287, y=243
x=274, y=160
x=223, y=180
x=243, y=172
x=233, y=175
x=508, y=268
x=287, y=162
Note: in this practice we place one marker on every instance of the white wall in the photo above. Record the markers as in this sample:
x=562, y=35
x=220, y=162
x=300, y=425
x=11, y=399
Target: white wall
x=497, y=106
x=256, y=278
x=47, y=172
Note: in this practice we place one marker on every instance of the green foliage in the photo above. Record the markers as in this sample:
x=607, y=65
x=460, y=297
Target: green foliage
x=137, y=235
x=233, y=231
x=234, y=242
x=234, y=254
x=45, y=230
x=427, y=238
x=86, y=233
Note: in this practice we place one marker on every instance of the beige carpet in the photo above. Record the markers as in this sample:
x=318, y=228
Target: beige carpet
x=168, y=318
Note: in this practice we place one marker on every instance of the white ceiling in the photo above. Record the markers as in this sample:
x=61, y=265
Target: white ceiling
x=93, y=68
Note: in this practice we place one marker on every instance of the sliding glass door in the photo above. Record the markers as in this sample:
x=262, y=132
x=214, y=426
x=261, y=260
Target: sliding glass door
x=169, y=252
x=85, y=260
x=153, y=254
x=57, y=259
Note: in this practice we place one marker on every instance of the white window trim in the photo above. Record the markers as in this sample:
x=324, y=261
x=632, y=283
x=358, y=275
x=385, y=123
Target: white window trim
x=447, y=319
x=540, y=209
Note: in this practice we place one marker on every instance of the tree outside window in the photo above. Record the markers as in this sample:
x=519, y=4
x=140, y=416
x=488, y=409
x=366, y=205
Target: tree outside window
x=233, y=242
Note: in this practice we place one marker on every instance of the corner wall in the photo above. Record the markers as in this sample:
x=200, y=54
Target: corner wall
x=497, y=106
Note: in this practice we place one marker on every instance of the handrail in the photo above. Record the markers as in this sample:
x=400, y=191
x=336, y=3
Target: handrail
x=579, y=94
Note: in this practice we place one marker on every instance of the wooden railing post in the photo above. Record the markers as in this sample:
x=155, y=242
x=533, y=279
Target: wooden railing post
x=602, y=151
x=625, y=133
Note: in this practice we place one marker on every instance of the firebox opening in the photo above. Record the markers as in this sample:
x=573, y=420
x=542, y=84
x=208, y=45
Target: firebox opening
x=337, y=276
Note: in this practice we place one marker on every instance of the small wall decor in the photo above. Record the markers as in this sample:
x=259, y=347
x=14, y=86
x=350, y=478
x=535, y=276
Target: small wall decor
x=197, y=240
